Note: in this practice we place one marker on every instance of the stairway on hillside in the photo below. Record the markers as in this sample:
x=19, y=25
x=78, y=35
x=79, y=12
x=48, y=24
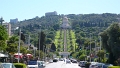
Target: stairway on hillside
x=65, y=41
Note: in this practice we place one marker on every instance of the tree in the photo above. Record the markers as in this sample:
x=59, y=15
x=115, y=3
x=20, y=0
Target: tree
x=3, y=37
x=53, y=47
x=110, y=41
x=12, y=44
x=101, y=54
x=41, y=40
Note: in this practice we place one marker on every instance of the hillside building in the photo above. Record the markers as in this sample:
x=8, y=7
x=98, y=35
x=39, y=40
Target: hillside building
x=14, y=20
x=50, y=13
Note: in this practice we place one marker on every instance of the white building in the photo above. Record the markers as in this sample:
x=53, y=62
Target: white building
x=65, y=23
x=14, y=20
x=50, y=13
x=8, y=27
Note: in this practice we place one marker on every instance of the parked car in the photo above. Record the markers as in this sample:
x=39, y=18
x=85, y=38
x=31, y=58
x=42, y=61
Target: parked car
x=8, y=65
x=82, y=63
x=93, y=65
x=103, y=65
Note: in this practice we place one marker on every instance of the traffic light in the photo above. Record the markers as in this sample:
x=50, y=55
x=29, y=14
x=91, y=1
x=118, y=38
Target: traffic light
x=22, y=37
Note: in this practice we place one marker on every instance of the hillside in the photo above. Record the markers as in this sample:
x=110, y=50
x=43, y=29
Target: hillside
x=82, y=26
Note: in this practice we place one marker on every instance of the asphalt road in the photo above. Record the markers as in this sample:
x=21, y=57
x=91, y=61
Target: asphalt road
x=62, y=64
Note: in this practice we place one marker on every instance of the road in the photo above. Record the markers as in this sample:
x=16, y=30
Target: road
x=61, y=64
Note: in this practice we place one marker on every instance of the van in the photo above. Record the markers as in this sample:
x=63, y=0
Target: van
x=34, y=64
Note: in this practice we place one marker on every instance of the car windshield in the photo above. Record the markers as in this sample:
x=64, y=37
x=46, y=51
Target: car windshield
x=32, y=63
x=6, y=65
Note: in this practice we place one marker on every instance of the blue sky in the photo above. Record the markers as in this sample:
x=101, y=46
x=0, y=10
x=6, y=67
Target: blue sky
x=27, y=9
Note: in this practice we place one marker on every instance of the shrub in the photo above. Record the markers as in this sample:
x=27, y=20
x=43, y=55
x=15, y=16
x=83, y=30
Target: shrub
x=20, y=65
x=87, y=65
x=114, y=67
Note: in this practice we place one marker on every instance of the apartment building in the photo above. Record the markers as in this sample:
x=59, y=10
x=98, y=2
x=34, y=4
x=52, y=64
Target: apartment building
x=8, y=27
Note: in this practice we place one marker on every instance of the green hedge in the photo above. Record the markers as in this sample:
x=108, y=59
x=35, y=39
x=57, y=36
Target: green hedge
x=114, y=67
x=20, y=65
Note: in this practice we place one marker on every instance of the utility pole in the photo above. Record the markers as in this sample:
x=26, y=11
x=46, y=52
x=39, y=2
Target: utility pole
x=19, y=45
x=90, y=47
x=43, y=52
x=39, y=41
x=29, y=42
x=95, y=48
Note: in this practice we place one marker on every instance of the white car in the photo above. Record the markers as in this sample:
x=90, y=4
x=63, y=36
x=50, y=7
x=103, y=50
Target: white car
x=68, y=61
x=50, y=61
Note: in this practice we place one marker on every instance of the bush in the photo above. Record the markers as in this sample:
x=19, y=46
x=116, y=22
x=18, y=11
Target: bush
x=87, y=65
x=114, y=67
x=20, y=65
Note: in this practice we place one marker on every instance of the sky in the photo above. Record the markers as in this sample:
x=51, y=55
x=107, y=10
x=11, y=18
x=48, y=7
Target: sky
x=28, y=9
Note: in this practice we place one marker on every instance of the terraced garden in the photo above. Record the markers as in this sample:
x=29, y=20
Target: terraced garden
x=70, y=42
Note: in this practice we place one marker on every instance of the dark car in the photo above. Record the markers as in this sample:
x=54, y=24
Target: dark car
x=55, y=60
x=74, y=61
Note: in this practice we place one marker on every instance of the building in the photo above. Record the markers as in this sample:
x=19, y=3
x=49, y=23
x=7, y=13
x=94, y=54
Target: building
x=8, y=27
x=14, y=20
x=65, y=23
x=50, y=13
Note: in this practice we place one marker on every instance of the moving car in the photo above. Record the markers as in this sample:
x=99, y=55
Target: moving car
x=43, y=63
x=50, y=61
x=68, y=61
x=74, y=61
x=35, y=64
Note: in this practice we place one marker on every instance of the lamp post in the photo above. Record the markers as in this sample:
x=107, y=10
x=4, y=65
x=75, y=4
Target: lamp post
x=100, y=42
x=19, y=45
